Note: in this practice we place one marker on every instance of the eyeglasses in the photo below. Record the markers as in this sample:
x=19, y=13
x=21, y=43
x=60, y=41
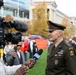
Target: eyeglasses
x=50, y=31
x=19, y=45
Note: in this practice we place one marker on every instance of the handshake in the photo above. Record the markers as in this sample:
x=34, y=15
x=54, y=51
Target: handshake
x=25, y=67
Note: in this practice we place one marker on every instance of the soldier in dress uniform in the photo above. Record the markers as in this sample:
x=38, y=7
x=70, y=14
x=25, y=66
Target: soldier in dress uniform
x=61, y=59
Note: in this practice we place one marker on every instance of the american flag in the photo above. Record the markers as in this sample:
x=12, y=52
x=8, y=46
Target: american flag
x=60, y=52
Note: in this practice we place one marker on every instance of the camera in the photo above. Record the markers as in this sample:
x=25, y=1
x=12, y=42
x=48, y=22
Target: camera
x=1, y=3
x=14, y=37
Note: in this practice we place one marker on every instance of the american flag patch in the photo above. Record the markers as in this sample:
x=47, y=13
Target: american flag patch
x=60, y=52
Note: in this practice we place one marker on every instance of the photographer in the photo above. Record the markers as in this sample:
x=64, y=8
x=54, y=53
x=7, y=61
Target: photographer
x=15, y=56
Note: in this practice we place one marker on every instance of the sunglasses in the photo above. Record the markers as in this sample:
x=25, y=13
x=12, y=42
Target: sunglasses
x=19, y=45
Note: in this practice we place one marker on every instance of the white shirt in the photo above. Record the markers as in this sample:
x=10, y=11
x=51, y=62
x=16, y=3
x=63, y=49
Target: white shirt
x=58, y=42
x=8, y=70
x=8, y=48
x=18, y=53
x=31, y=45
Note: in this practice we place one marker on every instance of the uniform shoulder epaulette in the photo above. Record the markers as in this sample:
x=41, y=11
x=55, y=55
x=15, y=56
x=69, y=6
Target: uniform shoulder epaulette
x=71, y=50
x=67, y=44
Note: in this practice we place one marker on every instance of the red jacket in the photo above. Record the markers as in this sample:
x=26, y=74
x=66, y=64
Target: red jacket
x=25, y=45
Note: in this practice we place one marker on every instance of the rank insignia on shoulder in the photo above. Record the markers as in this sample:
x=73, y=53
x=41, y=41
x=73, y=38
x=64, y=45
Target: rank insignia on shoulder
x=71, y=50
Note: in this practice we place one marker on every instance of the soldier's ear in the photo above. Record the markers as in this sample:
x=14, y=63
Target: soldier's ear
x=60, y=33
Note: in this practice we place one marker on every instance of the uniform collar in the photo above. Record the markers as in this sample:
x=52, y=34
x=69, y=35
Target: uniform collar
x=58, y=42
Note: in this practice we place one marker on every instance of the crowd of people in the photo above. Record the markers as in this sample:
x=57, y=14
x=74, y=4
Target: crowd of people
x=15, y=54
x=18, y=58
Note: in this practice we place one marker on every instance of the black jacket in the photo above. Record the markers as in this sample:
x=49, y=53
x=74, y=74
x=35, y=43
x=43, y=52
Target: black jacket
x=62, y=61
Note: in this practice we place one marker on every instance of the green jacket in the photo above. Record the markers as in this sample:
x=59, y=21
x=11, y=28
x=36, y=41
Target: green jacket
x=62, y=61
